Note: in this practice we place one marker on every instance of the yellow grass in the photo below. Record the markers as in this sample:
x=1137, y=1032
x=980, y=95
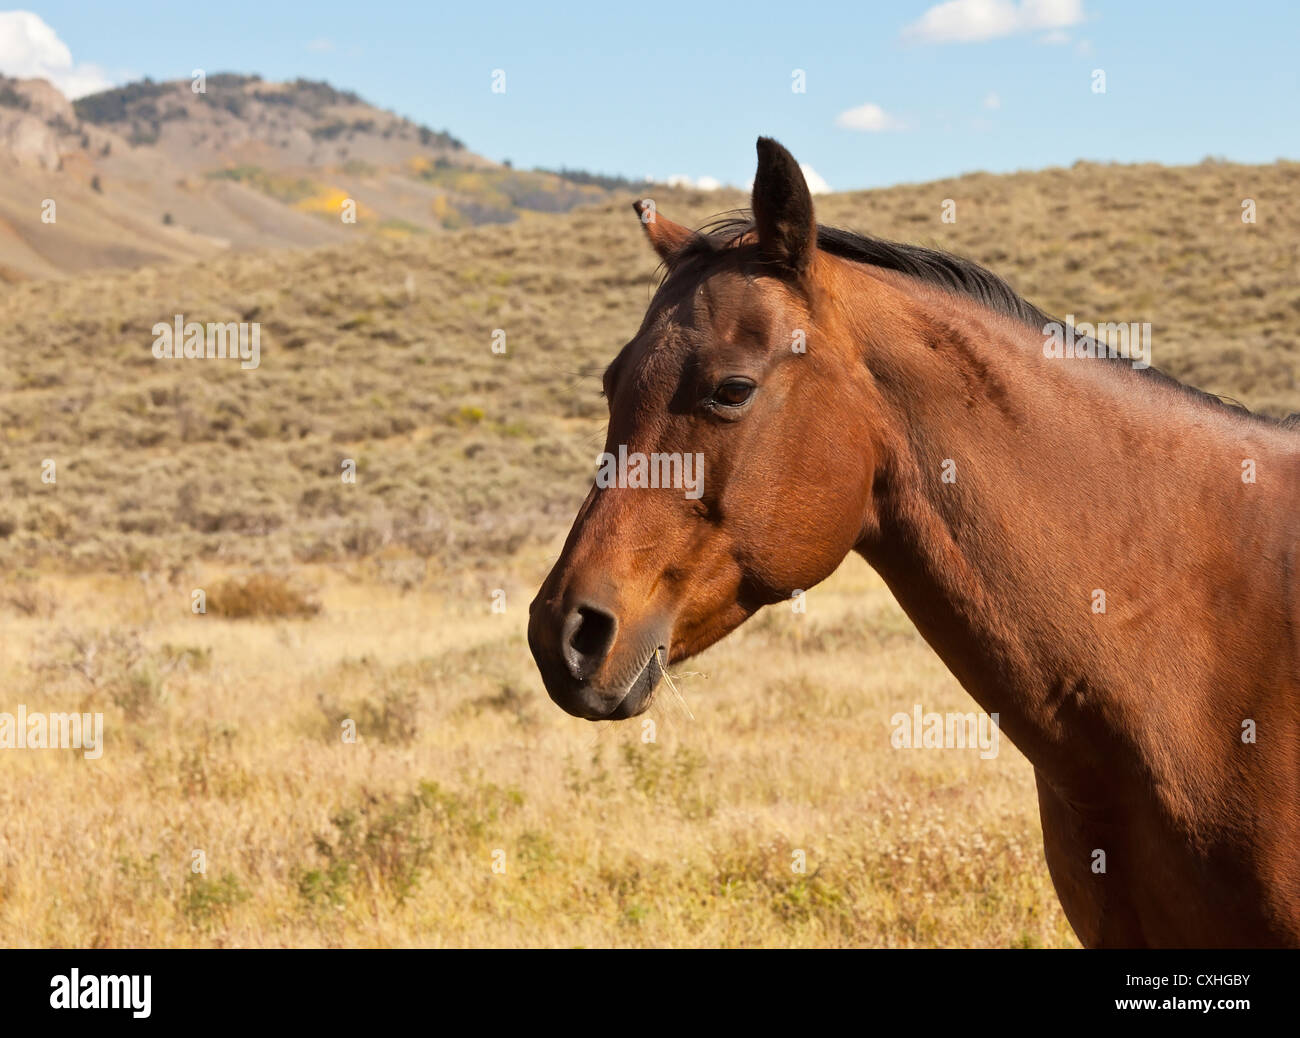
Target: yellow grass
x=606, y=839
x=330, y=202
x=225, y=729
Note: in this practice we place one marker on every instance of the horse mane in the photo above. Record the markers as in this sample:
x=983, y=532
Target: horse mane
x=958, y=275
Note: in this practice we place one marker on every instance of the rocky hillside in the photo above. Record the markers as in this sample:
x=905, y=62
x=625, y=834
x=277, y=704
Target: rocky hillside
x=154, y=172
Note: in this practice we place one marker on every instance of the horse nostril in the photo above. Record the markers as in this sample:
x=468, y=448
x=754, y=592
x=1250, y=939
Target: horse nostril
x=587, y=638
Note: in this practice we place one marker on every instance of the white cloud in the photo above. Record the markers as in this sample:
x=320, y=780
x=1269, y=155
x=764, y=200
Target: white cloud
x=972, y=21
x=705, y=183
x=869, y=118
x=31, y=49
x=321, y=46
x=816, y=182
x=992, y=101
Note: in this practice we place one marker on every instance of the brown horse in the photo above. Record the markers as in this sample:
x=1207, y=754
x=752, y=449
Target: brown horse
x=1102, y=556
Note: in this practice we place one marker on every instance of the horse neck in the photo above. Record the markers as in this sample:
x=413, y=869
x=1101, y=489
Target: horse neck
x=1013, y=488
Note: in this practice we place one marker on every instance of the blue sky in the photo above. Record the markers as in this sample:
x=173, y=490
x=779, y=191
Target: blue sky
x=684, y=88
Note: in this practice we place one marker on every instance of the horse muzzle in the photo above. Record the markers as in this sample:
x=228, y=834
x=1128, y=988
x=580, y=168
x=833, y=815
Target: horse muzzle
x=592, y=665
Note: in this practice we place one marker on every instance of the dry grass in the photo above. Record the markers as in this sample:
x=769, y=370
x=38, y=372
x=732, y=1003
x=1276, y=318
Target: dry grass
x=225, y=735
x=261, y=596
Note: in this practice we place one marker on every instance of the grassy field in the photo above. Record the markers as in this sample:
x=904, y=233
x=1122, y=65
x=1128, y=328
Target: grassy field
x=224, y=736
x=471, y=810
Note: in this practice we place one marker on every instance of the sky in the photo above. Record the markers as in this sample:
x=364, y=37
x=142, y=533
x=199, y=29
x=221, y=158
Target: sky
x=892, y=92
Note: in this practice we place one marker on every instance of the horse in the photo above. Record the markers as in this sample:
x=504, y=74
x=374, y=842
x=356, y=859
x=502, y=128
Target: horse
x=1102, y=556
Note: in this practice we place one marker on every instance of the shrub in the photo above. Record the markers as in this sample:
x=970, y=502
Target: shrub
x=261, y=595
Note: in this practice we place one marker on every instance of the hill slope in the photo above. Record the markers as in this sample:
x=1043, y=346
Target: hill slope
x=154, y=172
x=381, y=351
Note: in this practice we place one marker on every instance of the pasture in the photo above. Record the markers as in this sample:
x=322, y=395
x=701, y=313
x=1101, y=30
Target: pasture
x=470, y=810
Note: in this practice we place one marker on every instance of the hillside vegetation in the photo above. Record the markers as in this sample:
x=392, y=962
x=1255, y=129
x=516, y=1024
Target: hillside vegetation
x=372, y=601
x=381, y=351
x=157, y=172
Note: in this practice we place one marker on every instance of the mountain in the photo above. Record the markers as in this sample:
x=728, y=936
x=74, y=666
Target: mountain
x=158, y=172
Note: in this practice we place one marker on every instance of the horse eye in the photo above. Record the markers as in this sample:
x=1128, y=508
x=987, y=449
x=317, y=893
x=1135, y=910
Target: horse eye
x=733, y=392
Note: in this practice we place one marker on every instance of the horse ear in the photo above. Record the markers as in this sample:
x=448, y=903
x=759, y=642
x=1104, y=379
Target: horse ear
x=666, y=237
x=783, y=208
